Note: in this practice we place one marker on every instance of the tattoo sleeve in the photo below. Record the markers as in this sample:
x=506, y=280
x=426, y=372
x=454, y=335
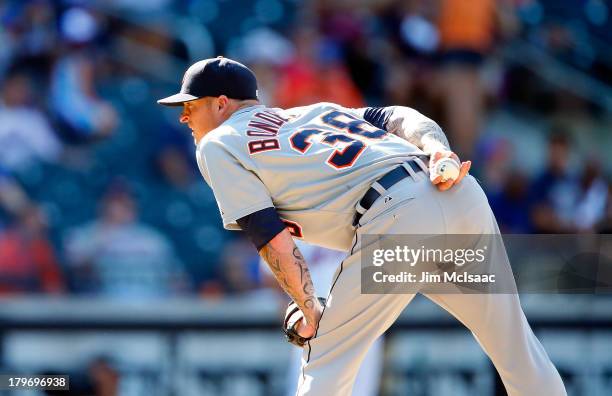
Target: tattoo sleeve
x=291, y=272
x=417, y=129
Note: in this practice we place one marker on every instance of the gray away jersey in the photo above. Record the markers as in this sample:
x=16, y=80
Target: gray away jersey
x=312, y=163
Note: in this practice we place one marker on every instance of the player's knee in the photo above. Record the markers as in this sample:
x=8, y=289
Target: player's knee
x=558, y=388
x=552, y=382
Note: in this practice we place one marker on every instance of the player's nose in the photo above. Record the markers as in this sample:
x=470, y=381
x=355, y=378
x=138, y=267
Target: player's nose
x=184, y=118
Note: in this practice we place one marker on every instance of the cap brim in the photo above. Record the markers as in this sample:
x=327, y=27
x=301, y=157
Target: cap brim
x=177, y=99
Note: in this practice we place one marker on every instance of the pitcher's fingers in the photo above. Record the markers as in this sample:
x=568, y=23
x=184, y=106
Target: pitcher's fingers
x=465, y=168
x=437, y=180
x=445, y=185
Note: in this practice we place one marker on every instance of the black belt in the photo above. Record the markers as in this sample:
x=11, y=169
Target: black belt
x=389, y=179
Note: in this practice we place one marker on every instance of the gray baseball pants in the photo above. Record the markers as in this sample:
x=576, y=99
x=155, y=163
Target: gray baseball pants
x=352, y=321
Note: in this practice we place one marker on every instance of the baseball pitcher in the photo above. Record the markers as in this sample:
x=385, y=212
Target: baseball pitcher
x=330, y=175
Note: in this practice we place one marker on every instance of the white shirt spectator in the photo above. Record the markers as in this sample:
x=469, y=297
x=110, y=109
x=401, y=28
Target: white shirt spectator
x=26, y=137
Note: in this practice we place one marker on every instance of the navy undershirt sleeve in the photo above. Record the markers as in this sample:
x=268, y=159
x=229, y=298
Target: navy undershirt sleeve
x=261, y=226
x=378, y=116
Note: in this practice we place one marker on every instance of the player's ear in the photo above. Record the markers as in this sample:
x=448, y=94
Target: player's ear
x=222, y=103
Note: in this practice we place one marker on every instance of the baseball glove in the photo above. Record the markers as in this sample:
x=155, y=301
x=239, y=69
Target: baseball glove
x=292, y=316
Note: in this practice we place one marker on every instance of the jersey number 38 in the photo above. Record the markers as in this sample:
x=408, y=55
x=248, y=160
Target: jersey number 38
x=349, y=138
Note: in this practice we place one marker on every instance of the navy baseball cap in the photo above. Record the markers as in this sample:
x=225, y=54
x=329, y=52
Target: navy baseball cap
x=215, y=77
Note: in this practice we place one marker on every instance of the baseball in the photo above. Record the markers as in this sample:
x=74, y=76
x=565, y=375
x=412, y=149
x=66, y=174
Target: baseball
x=448, y=168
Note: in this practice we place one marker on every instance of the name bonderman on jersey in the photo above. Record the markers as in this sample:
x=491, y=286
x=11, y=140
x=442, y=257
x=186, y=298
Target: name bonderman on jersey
x=410, y=256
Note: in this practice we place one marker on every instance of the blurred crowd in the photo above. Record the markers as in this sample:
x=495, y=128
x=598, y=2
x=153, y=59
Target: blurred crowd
x=99, y=192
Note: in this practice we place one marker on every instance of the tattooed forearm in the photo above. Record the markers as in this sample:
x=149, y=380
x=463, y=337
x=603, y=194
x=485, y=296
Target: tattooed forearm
x=274, y=263
x=291, y=272
x=417, y=129
x=431, y=136
x=297, y=254
x=309, y=303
